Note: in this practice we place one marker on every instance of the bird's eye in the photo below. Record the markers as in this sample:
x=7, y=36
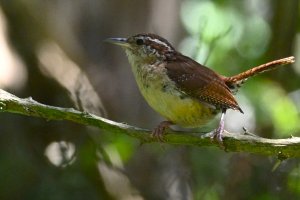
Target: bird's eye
x=139, y=41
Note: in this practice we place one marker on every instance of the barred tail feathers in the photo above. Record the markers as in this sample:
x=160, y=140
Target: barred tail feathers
x=235, y=82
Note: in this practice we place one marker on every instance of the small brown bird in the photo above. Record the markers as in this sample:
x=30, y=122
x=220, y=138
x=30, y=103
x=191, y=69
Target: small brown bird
x=180, y=89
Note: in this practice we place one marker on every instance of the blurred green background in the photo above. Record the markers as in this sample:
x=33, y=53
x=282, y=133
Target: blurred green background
x=53, y=51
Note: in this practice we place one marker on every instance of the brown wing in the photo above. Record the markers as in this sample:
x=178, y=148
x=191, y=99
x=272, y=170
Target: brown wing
x=201, y=83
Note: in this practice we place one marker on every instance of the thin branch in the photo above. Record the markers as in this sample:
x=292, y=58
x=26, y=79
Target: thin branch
x=233, y=142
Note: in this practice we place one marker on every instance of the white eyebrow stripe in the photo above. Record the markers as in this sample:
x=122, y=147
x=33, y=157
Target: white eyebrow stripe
x=160, y=42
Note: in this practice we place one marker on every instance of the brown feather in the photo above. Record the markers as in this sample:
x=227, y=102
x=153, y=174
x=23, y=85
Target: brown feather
x=234, y=82
x=200, y=82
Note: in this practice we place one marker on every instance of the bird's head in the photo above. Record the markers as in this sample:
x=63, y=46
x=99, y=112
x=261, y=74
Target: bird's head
x=146, y=47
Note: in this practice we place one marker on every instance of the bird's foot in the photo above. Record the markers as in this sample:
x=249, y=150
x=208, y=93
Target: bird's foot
x=159, y=131
x=217, y=135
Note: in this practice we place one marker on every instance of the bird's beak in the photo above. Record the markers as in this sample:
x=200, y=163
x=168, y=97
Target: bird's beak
x=118, y=41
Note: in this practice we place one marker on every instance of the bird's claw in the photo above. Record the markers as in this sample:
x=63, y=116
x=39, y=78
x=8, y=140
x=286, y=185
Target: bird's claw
x=159, y=131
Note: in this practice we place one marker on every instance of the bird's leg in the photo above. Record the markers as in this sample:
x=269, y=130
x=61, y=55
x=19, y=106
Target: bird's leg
x=218, y=132
x=158, y=132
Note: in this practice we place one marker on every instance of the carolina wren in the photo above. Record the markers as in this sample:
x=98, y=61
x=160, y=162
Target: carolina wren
x=183, y=91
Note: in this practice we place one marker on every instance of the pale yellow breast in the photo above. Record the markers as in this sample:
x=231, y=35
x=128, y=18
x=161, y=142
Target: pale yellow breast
x=163, y=96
